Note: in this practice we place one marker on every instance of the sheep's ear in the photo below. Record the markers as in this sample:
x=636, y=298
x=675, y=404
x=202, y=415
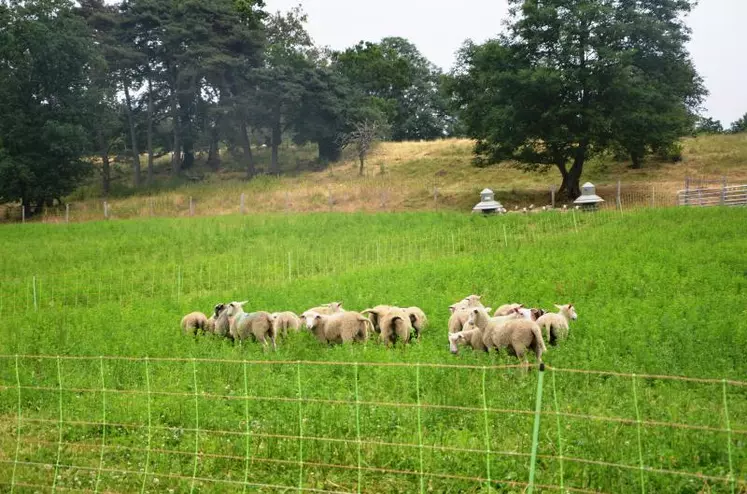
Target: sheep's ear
x=452, y=309
x=241, y=304
x=570, y=306
x=317, y=316
x=521, y=306
x=560, y=307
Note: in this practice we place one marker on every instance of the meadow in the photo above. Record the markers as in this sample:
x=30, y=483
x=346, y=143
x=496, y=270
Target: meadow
x=100, y=391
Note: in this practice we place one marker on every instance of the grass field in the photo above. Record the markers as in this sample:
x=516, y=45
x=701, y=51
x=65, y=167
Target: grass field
x=659, y=293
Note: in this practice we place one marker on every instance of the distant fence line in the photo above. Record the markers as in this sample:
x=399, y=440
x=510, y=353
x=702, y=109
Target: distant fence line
x=368, y=195
x=34, y=431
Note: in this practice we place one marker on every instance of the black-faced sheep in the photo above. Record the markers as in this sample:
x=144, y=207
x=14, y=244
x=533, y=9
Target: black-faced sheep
x=515, y=334
x=556, y=324
x=193, y=322
x=342, y=327
x=255, y=324
x=283, y=321
x=217, y=310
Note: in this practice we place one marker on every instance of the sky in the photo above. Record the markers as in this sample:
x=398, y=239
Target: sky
x=438, y=29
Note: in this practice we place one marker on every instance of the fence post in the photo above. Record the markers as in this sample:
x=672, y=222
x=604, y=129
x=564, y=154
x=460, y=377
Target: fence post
x=287, y=202
x=106, y=210
x=242, y=203
x=435, y=194
x=552, y=196
x=618, y=197
x=687, y=190
x=23, y=213
x=723, y=191
x=33, y=283
x=191, y=206
x=67, y=213
x=653, y=196
x=329, y=197
x=535, y=431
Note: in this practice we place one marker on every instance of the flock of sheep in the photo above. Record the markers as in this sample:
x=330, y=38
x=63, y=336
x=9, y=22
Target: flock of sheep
x=512, y=326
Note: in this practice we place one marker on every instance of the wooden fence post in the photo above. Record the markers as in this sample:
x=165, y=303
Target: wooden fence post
x=191, y=206
x=723, y=191
x=552, y=196
x=67, y=213
x=617, y=197
x=242, y=203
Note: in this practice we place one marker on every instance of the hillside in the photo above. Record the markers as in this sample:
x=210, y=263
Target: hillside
x=399, y=177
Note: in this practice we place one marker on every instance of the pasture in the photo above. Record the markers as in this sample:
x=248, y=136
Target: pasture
x=100, y=391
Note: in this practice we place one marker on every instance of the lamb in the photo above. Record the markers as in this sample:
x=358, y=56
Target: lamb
x=375, y=314
x=418, y=320
x=342, y=327
x=330, y=308
x=515, y=334
x=193, y=322
x=283, y=321
x=217, y=310
x=556, y=324
x=255, y=324
x=395, y=324
x=531, y=314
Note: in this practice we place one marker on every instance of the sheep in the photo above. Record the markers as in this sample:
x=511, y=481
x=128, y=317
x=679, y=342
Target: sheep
x=531, y=314
x=341, y=327
x=556, y=324
x=458, y=319
x=217, y=311
x=375, y=314
x=418, y=320
x=330, y=308
x=395, y=324
x=283, y=321
x=470, y=335
x=466, y=303
x=193, y=322
x=255, y=324
x=507, y=309
x=515, y=334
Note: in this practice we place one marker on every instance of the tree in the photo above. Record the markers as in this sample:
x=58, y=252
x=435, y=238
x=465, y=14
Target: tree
x=707, y=125
x=401, y=83
x=740, y=125
x=362, y=138
x=574, y=77
x=45, y=53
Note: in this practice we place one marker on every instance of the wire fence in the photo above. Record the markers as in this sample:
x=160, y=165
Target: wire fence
x=135, y=426
x=369, y=194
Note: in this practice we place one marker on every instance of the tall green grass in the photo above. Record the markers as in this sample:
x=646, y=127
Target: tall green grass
x=658, y=292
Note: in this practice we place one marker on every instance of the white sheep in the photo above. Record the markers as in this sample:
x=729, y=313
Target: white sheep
x=466, y=303
x=193, y=322
x=330, y=308
x=470, y=336
x=418, y=320
x=515, y=334
x=556, y=323
x=507, y=309
x=341, y=327
x=283, y=321
x=375, y=314
x=255, y=324
x=459, y=317
x=395, y=324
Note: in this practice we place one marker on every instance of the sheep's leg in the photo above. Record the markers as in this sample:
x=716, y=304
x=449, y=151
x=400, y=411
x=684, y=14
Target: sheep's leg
x=274, y=343
x=553, y=338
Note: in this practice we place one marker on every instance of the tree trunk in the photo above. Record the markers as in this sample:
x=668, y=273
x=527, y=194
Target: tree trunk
x=362, y=158
x=213, y=159
x=277, y=135
x=176, y=159
x=150, y=132
x=329, y=151
x=637, y=160
x=133, y=136
x=105, y=167
x=246, y=145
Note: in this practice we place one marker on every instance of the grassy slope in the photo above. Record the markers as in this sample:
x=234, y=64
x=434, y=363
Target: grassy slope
x=658, y=292
x=401, y=176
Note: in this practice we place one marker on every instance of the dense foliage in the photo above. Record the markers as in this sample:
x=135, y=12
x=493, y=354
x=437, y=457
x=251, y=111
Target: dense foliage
x=571, y=78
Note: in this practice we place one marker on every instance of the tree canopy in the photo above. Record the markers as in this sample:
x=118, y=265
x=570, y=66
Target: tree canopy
x=571, y=78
